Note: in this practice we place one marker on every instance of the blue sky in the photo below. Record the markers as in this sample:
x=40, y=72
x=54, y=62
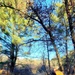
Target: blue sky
x=38, y=48
x=37, y=51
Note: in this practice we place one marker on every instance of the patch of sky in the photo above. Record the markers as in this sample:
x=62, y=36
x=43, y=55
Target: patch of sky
x=4, y=41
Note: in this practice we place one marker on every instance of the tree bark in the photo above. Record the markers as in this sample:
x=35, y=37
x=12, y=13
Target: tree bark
x=67, y=59
x=13, y=57
x=51, y=36
x=56, y=50
x=70, y=20
x=48, y=57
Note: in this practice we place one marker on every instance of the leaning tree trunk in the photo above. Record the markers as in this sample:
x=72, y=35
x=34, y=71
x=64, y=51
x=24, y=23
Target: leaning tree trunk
x=52, y=41
x=56, y=50
x=71, y=19
x=49, y=33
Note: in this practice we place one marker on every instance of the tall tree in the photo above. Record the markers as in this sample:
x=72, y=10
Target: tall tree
x=13, y=25
x=70, y=10
x=40, y=12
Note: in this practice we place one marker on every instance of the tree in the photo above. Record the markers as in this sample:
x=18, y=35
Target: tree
x=13, y=25
x=62, y=19
x=70, y=10
x=66, y=18
x=41, y=13
x=44, y=15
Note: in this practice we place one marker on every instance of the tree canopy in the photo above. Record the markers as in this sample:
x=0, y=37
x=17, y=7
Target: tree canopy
x=30, y=21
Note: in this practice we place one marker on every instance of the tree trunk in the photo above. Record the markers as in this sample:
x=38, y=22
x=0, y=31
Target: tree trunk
x=56, y=50
x=48, y=57
x=13, y=57
x=70, y=20
x=49, y=32
x=52, y=40
x=12, y=65
x=67, y=60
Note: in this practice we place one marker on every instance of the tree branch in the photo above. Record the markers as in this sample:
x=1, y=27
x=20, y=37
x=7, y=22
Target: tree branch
x=33, y=18
x=40, y=21
x=5, y=42
x=32, y=40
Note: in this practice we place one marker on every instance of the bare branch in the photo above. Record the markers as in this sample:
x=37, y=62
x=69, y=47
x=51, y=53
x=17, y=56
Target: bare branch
x=5, y=42
x=32, y=40
x=40, y=21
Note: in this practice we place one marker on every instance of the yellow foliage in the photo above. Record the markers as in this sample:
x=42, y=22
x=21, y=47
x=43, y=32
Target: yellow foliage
x=65, y=15
x=54, y=18
x=61, y=13
x=12, y=20
x=59, y=72
x=26, y=22
x=36, y=37
x=22, y=5
x=60, y=9
x=58, y=4
x=16, y=39
x=66, y=19
x=1, y=22
x=10, y=2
